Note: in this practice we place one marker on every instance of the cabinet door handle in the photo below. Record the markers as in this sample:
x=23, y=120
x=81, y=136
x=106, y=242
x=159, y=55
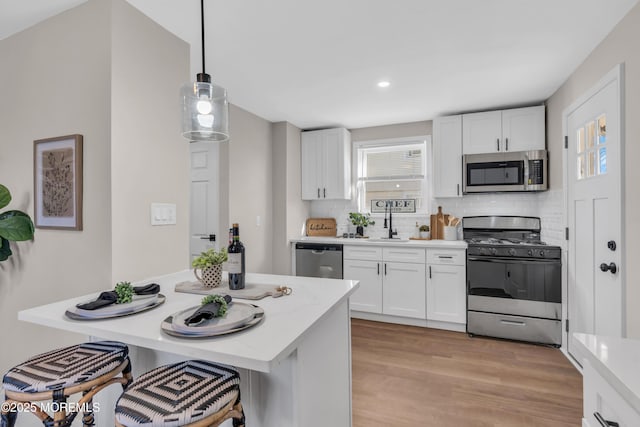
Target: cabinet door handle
x=385, y=268
x=318, y=192
x=498, y=144
x=429, y=272
x=458, y=189
x=603, y=422
x=378, y=269
x=506, y=144
x=324, y=192
x=445, y=256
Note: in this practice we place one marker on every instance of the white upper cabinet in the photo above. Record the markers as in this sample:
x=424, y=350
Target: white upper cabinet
x=523, y=129
x=326, y=164
x=447, y=156
x=518, y=129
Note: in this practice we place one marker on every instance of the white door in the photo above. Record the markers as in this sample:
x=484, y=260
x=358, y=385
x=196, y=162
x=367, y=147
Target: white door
x=446, y=293
x=204, y=198
x=523, y=129
x=311, y=149
x=447, y=156
x=403, y=290
x=368, y=297
x=594, y=177
x=482, y=132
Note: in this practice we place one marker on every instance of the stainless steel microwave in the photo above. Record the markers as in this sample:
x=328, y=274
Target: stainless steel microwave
x=506, y=171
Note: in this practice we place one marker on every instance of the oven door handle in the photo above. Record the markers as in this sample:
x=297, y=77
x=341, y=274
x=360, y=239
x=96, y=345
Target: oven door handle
x=514, y=260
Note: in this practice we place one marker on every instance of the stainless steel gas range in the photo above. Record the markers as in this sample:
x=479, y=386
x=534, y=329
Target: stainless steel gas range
x=514, y=280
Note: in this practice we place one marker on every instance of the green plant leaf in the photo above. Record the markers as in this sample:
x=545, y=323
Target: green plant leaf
x=16, y=226
x=5, y=250
x=5, y=196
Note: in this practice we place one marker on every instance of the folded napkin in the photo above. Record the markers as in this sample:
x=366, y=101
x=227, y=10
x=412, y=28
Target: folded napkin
x=205, y=312
x=110, y=297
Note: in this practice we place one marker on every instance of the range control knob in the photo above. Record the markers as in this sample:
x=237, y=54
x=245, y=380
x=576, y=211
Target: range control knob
x=494, y=251
x=541, y=253
x=530, y=252
x=512, y=252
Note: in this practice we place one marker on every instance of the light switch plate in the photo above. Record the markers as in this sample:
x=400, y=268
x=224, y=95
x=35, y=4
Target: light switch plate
x=163, y=213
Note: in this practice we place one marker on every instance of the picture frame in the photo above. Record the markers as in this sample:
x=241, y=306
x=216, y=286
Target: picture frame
x=57, y=181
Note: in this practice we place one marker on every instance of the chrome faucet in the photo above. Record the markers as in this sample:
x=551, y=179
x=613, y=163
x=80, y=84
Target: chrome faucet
x=389, y=205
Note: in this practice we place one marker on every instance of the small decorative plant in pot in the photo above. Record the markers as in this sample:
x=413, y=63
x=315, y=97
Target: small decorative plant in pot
x=208, y=267
x=424, y=231
x=360, y=221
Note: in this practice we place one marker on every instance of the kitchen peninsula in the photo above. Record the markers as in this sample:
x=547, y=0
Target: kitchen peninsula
x=295, y=365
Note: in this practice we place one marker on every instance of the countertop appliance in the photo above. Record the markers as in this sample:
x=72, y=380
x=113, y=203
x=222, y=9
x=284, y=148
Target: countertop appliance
x=319, y=260
x=505, y=171
x=514, y=280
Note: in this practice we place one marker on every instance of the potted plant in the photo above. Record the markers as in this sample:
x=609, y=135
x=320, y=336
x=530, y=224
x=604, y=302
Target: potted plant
x=209, y=264
x=424, y=231
x=360, y=221
x=15, y=226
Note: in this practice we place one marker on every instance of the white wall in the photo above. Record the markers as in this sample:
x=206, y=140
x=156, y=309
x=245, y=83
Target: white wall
x=149, y=157
x=620, y=46
x=55, y=82
x=249, y=184
x=289, y=210
x=56, y=79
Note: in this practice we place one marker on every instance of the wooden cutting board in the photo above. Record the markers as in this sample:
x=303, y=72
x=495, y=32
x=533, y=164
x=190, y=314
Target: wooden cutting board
x=438, y=222
x=321, y=227
x=251, y=291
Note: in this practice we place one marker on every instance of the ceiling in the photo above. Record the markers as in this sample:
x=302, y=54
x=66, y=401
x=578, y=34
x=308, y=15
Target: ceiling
x=316, y=63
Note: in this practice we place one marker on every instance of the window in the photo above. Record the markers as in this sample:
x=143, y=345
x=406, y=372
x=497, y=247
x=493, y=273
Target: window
x=393, y=169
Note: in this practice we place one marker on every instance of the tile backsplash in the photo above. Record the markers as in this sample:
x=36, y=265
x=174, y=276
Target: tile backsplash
x=547, y=205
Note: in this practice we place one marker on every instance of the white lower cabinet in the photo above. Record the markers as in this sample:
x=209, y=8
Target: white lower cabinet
x=387, y=285
x=446, y=285
x=403, y=290
x=368, y=297
x=602, y=404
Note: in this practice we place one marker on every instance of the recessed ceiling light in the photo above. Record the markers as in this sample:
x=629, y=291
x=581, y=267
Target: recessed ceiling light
x=383, y=83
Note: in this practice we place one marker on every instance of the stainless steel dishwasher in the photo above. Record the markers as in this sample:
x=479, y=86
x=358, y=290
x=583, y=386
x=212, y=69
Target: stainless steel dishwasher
x=319, y=260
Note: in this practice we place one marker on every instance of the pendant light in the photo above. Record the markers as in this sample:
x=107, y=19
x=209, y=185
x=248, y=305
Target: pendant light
x=205, y=110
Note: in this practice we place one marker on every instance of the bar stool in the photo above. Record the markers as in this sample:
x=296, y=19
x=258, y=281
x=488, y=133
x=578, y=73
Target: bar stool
x=192, y=393
x=58, y=374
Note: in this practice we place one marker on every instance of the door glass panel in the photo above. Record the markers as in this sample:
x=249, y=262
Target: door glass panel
x=591, y=163
x=591, y=134
x=580, y=144
x=602, y=163
x=602, y=129
x=581, y=167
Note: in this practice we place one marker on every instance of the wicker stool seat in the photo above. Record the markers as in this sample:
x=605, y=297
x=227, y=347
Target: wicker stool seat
x=58, y=374
x=192, y=393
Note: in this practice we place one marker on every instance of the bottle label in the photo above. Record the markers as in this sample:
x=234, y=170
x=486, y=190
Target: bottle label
x=234, y=263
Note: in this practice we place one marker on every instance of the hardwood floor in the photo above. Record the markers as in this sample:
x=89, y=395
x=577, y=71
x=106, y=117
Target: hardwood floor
x=412, y=376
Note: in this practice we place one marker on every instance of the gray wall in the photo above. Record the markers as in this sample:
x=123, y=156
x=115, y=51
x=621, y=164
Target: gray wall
x=619, y=47
x=289, y=210
x=73, y=74
x=248, y=185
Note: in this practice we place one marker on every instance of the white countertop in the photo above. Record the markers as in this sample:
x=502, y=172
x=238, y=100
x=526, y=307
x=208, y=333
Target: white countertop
x=617, y=360
x=260, y=348
x=451, y=244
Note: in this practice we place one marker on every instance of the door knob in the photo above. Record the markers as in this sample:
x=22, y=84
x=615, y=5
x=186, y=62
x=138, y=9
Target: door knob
x=612, y=267
x=611, y=244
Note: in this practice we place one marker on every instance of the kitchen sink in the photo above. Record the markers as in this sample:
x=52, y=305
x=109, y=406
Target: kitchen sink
x=387, y=240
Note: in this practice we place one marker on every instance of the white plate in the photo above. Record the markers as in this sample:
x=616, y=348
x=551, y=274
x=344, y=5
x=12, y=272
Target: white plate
x=77, y=314
x=139, y=301
x=238, y=314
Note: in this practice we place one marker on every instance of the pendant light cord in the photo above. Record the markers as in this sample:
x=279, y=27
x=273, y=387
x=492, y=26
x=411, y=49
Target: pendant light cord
x=202, y=27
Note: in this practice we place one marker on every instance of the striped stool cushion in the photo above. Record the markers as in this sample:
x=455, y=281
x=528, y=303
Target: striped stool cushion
x=178, y=394
x=65, y=367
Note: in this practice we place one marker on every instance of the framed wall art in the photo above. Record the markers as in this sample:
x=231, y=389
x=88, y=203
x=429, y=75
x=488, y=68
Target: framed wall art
x=57, y=173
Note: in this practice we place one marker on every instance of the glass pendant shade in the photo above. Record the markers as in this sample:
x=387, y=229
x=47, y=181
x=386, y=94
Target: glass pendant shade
x=205, y=111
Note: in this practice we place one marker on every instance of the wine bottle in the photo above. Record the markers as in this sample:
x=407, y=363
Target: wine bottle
x=235, y=263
